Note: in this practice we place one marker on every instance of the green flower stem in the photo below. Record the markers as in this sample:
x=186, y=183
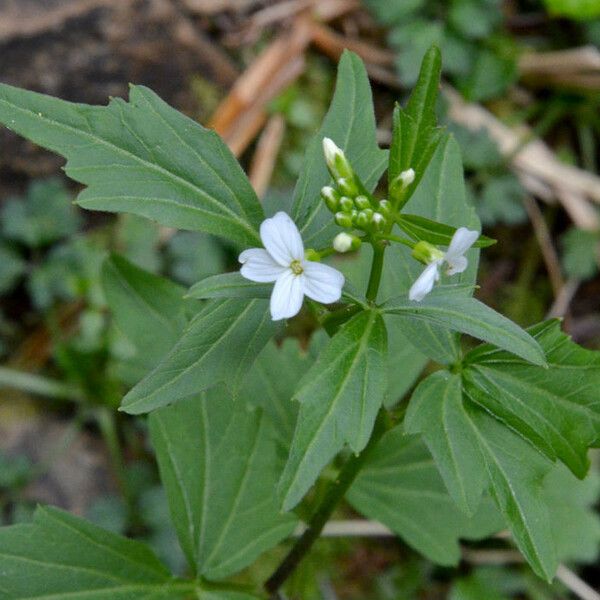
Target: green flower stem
x=347, y=474
x=395, y=238
x=322, y=514
x=376, y=270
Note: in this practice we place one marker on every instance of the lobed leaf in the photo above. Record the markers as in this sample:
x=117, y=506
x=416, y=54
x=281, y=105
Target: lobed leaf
x=401, y=487
x=219, y=464
x=414, y=133
x=219, y=344
x=467, y=315
x=148, y=309
x=436, y=411
x=61, y=556
x=420, y=228
x=557, y=408
x=340, y=396
x=229, y=285
x=142, y=157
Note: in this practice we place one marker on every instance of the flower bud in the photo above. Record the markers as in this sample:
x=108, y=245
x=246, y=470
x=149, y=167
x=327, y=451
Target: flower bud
x=344, y=242
x=426, y=253
x=385, y=208
x=378, y=221
x=362, y=202
x=336, y=160
x=346, y=204
x=363, y=220
x=401, y=182
x=331, y=198
x=343, y=219
x=347, y=186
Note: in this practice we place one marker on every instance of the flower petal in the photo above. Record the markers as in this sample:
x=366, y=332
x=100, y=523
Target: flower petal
x=258, y=265
x=425, y=282
x=462, y=240
x=282, y=239
x=322, y=283
x=287, y=296
x=456, y=265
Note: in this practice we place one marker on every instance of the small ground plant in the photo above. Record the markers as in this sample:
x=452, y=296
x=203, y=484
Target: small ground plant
x=256, y=381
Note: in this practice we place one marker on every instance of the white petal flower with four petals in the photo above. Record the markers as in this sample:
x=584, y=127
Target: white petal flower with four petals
x=454, y=257
x=282, y=261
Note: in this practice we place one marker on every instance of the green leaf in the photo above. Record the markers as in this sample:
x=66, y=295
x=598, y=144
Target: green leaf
x=340, y=396
x=219, y=344
x=491, y=75
x=350, y=123
x=148, y=309
x=474, y=18
x=420, y=228
x=414, y=134
x=271, y=382
x=491, y=583
x=436, y=410
x=43, y=216
x=401, y=487
x=12, y=268
x=229, y=285
x=581, y=253
x=574, y=522
x=575, y=9
x=219, y=464
x=556, y=409
x=142, y=157
x=194, y=256
x=61, y=556
x=413, y=38
x=501, y=201
x=516, y=472
x=447, y=307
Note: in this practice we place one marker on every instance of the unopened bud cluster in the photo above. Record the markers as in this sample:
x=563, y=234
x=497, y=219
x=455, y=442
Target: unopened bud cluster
x=346, y=200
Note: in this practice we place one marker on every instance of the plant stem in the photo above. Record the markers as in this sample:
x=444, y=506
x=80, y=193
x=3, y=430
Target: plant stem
x=338, y=488
x=396, y=238
x=376, y=270
x=334, y=494
x=108, y=427
x=36, y=384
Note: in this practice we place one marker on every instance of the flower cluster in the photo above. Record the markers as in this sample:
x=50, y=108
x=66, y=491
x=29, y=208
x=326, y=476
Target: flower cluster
x=347, y=199
x=284, y=261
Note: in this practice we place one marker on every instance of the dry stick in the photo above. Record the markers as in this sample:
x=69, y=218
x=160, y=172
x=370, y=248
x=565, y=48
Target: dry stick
x=365, y=528
x=563, y=300
x=252, y=120
x=585, y=58
x=576, y=67
x=240, y=116
x=542, y=234
x=572, y=186
x=265, y=157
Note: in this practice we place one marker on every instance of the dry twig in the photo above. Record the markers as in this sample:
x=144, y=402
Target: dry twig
x=534, y=160
x=265, y=157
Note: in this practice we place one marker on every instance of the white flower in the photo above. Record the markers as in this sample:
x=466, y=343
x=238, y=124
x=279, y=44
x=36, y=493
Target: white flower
x=454, y=257
x=283, y=262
